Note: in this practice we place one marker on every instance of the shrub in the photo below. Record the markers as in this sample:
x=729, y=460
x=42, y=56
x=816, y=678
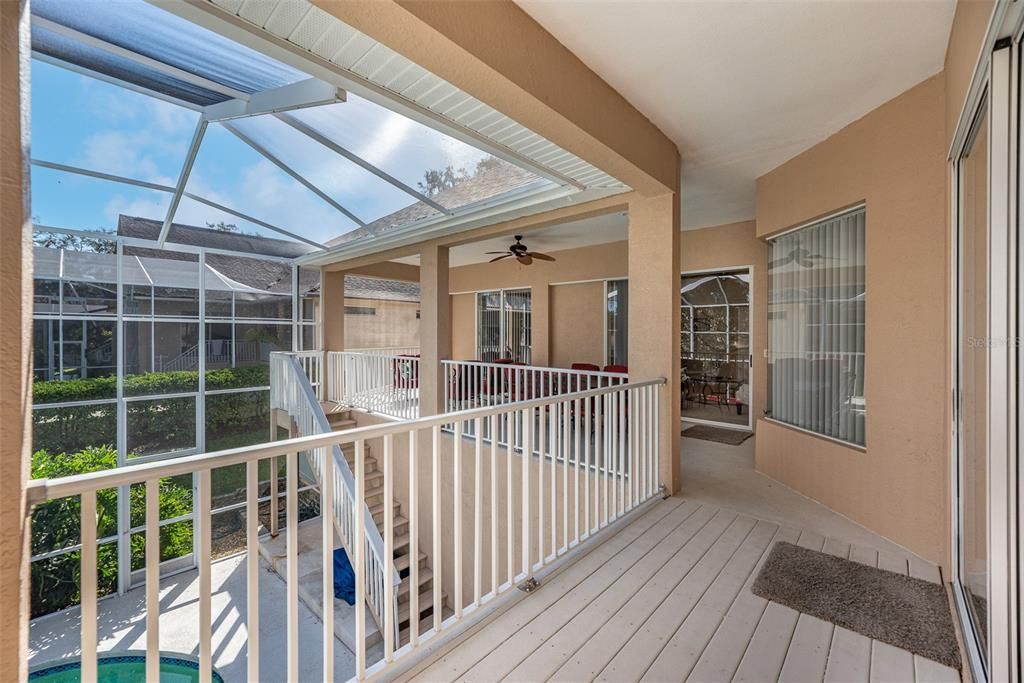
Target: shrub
x=55, y=525
x=154, y=424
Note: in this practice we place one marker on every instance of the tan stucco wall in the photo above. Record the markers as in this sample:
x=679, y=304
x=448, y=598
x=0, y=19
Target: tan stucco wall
x=577, y=324
x=394, y=324
x=965, y=37
x=16, y=359
x=572, y=265
x=894, y=160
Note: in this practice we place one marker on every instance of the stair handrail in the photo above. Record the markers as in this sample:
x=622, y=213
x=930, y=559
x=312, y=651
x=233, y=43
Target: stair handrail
x=291, y=391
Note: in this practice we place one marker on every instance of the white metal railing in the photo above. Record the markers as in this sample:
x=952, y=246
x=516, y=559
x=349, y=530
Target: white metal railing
x=217, y=351
x=474, y=384
x=598, y=459
x=312, y=364
x=382, y=383
x=291, y=392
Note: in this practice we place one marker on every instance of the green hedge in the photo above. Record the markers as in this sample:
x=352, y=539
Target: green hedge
x=154, y=425
x=55, y=581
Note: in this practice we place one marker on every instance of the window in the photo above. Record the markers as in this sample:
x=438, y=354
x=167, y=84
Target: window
x=360, y=310
x=503, y=325
x=616, y=322
x=816, y=301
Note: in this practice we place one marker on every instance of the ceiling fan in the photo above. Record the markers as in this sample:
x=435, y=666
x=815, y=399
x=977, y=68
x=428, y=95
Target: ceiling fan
x=521, y=253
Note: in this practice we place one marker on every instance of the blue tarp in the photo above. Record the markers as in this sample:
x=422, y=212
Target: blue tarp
x=344, y=578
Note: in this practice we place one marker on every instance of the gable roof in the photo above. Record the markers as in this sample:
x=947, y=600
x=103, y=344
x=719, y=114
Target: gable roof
x=269, y=276
x=491, y=181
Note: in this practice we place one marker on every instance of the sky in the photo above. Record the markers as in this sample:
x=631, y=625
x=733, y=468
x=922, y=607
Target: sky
x=81, y=121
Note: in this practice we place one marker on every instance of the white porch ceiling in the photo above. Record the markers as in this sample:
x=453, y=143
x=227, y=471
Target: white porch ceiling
x=741, y=87
x=583, y=233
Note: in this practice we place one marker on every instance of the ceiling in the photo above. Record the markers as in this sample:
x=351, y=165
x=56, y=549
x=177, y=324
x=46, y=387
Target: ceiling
x=742, y=86
x=582, y=233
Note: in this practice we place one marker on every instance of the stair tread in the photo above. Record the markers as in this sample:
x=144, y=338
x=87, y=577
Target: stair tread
x=402, y=563
x=425, y=575
x=378, y=508
x=426, y=602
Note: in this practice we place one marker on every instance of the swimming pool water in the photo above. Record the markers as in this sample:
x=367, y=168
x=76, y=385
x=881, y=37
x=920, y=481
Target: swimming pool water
x=123, y=669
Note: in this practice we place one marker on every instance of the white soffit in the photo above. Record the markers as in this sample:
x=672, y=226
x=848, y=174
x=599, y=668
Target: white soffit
x=365, y=60
x=612, y=227
x=743, y=86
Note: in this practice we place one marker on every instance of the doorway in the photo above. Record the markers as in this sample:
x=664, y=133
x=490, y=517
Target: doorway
x=715, y=347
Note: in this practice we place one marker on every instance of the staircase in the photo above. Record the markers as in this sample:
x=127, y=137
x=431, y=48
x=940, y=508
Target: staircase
x=340, y=419
x=310, y=556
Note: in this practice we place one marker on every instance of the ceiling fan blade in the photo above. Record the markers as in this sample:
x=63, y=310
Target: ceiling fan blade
x=525, y=259
x=499, y=258
x=495, y=252
x=542, y=257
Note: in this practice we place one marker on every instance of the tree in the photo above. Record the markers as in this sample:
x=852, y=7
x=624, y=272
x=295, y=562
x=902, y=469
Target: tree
x=61, y=240
x=438, y=180
x=435, y=181
x=221, y=226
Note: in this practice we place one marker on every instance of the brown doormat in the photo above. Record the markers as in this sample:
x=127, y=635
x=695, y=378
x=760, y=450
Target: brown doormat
x=900, y=610
x=733, y=437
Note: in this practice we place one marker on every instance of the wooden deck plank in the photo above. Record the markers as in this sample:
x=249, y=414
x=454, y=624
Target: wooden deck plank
x=723, y=654
x=615, y=627
x=849, y=654
x=807, y=658
x=566, y=639
x=659, y=522
x=769, y=645
x=591, y=611
x=666, y=602
x=890, y=663
x=686, y=645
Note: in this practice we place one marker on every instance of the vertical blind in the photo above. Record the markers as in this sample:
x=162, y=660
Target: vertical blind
x=816, y=300
x=504, y=325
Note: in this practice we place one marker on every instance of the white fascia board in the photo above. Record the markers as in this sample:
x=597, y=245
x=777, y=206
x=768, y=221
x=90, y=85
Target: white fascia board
x=447, y=226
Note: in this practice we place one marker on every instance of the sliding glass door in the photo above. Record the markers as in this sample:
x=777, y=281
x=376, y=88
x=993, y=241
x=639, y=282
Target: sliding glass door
x=715, y=347
x=972, y=378
x=989, y=308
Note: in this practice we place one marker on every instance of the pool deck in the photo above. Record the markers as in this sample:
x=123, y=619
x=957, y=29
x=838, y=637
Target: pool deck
x=121, y=626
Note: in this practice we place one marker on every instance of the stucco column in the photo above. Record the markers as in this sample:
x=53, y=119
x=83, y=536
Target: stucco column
x=15, y=358
x=654, y=314
x=540, y=323
x=435, y=327
x=332, y=309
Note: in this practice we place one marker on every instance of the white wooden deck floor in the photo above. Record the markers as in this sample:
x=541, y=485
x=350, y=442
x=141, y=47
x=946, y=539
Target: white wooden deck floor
x=667, y=599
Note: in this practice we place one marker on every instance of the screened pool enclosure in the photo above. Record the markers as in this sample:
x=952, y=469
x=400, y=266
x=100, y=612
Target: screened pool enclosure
x=180, y=182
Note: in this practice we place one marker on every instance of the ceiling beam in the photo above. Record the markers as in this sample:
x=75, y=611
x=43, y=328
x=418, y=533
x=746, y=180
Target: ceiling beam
x=260, y=149
x=310, y=92
x=186, y=170
x=167, y=188
x=359, y=161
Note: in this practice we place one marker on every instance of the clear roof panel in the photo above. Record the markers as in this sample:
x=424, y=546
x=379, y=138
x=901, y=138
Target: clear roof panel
x=353, y=187
x=54, y=45
x=231, y=173
x=88, y=123
x=408, y=150
x=68, y=200
x=142, y=28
